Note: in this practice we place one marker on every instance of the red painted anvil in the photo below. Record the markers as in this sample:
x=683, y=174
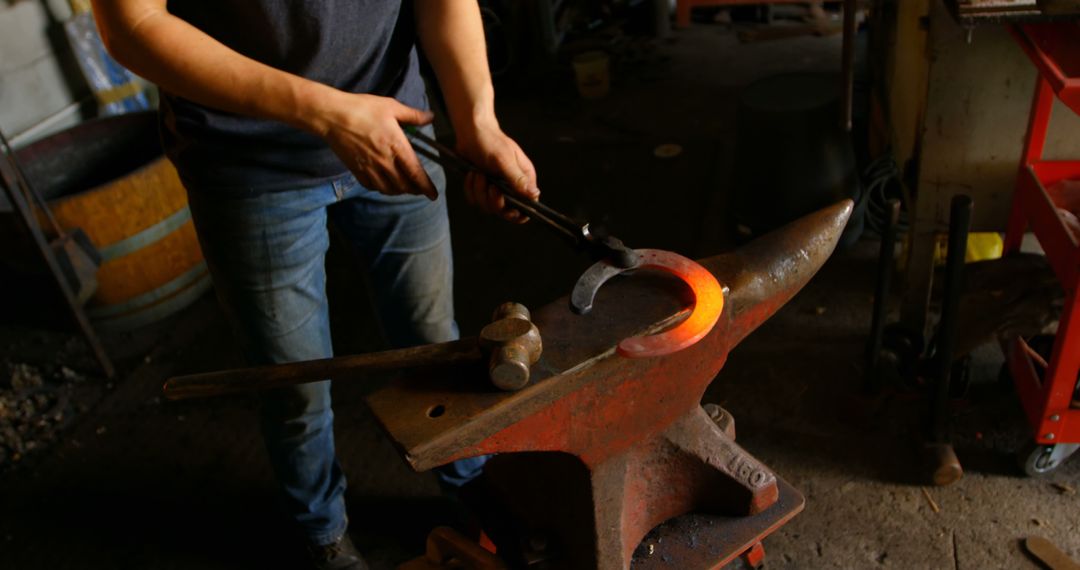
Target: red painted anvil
x=599, y=449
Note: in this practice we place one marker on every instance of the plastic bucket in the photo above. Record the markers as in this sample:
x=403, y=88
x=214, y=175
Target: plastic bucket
x=591, y=71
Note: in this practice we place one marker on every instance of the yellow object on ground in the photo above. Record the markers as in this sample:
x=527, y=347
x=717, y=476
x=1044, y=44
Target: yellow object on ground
x=980, y=247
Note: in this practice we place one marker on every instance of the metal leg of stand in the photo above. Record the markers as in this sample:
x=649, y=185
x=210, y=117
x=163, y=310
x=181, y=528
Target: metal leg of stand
x=8, y=182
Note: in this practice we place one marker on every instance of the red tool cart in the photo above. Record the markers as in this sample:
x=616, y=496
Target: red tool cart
x=1047, y=387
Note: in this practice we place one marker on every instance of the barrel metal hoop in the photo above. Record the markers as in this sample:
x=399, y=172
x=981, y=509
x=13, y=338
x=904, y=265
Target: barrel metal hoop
x=147, y=236
x=156, y=312
x=150, y=297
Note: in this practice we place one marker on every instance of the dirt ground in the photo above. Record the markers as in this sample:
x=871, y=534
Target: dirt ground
x=126, y=480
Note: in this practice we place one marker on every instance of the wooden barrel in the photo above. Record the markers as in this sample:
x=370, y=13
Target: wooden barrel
x=110, y=178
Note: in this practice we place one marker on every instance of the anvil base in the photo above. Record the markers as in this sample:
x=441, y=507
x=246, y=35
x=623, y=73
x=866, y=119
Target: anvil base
x=538, y=508
x=695, y=541
x=708, y=542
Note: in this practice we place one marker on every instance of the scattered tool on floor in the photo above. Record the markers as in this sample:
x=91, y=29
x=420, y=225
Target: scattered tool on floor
x=1049, y=554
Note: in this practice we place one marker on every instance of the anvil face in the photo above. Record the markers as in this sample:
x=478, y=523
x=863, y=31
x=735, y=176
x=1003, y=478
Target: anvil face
x=645, y=449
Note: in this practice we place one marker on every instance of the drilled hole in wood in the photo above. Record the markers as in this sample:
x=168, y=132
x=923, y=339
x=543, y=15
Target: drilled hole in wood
x=436, y=411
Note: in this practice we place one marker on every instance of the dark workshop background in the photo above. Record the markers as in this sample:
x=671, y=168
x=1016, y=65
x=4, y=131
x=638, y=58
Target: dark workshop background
x=102, y=473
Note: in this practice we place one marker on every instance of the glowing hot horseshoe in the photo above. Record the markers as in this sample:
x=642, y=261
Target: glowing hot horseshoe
x=708, y=301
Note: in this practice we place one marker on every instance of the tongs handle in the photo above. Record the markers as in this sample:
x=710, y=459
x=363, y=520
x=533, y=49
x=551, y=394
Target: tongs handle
x=601, y=246
x=448, y=158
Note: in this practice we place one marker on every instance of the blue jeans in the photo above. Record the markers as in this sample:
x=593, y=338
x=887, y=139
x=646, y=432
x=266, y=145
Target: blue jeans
x=266, y=255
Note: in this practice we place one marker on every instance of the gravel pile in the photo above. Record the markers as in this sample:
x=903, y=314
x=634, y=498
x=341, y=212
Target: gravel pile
x=34, y=405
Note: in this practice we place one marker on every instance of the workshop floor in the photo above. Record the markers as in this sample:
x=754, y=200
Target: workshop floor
x=136, y=482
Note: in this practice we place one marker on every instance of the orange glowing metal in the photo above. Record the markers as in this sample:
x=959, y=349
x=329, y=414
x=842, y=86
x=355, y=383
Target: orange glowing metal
x=708, y=301
x=708, y=304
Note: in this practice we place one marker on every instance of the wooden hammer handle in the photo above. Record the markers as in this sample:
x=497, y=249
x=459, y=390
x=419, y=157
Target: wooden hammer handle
x=293, y=373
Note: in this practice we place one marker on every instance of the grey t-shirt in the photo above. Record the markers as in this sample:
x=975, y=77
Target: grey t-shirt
x=360, y=46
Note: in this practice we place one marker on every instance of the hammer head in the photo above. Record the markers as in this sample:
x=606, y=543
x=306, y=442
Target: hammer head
x=514, y=343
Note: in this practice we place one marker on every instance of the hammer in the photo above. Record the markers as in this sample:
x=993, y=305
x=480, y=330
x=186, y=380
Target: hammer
x=511, y=343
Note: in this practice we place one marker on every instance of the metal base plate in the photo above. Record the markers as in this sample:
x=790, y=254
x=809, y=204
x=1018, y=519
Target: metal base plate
x=706, y=542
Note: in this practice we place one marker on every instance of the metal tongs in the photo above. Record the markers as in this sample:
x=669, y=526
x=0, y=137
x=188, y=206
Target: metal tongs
x=613, y=259
x=595, y=241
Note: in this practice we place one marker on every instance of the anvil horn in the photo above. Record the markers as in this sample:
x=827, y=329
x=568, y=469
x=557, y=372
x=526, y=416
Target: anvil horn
x=765, y=274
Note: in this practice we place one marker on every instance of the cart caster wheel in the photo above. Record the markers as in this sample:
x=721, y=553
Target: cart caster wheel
x=1038, y=460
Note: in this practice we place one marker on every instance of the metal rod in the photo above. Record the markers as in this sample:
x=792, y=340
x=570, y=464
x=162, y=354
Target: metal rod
x=848, y=64
x=959, y=227
x=53, y=120
x=871, y=376
x=8, y=181
x=25, y=186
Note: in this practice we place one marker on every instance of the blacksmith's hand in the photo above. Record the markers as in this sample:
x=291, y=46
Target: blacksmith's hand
x=365, y=133
x=490, y=149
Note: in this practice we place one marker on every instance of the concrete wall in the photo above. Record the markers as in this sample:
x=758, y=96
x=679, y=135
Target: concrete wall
x=41, y=88
x=904, y=73
x=977, y=113
x=977, y=103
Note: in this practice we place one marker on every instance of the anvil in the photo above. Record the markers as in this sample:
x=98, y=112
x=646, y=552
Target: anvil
x=599, y=448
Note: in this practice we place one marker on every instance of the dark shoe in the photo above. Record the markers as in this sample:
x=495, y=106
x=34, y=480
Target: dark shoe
x=340, y=555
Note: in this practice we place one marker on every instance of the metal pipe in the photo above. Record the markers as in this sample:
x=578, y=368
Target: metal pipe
x=54, y=121
x=25, y=187
x=959, y=227
x=9, y=182
x=871, y=378
x=848, y=65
